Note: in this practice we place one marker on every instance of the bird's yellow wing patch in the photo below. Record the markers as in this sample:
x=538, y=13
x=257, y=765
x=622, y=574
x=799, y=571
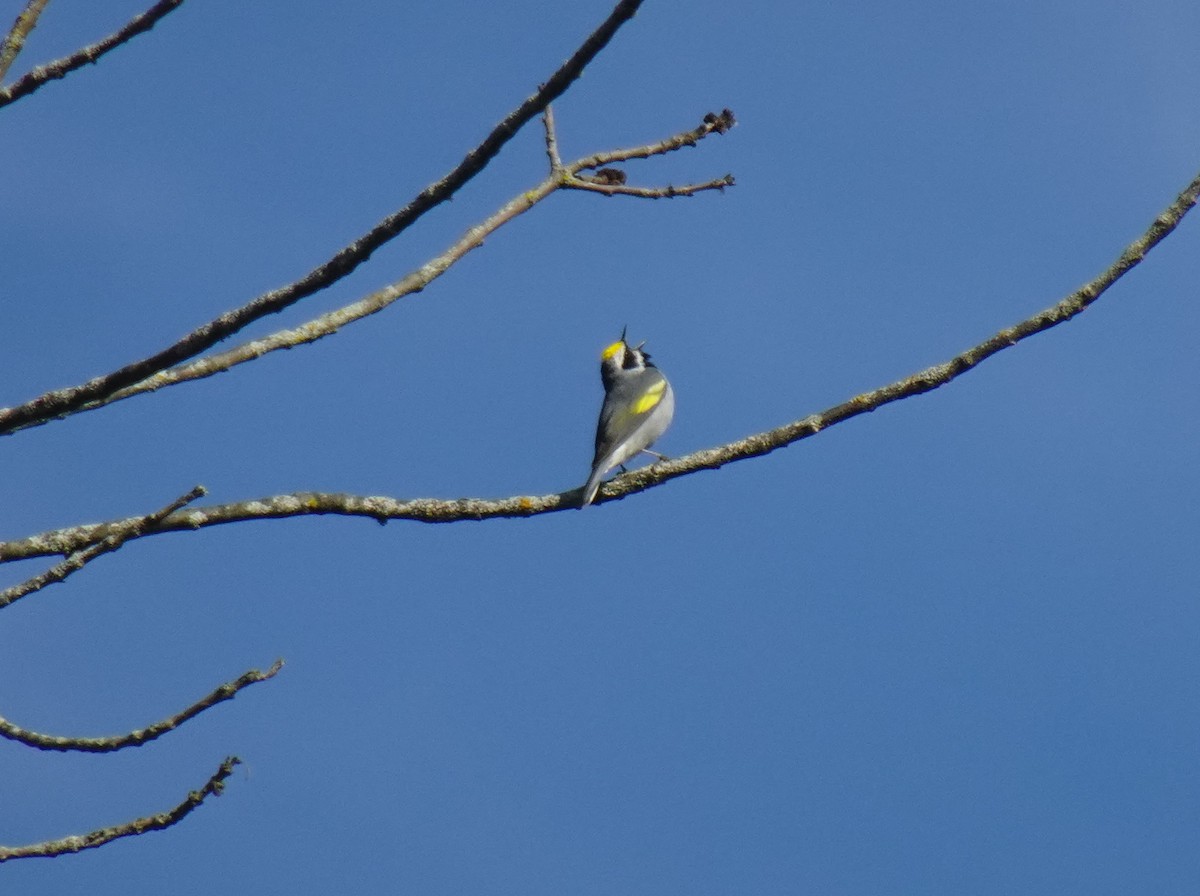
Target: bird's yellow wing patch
x=652, y=397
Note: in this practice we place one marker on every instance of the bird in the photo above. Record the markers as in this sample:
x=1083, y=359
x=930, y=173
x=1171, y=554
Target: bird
x=638, y=407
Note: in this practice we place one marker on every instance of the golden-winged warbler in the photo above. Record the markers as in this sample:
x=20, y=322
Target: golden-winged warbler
x=638, y=406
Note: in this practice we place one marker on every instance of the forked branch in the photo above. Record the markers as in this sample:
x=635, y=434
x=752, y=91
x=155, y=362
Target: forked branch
x=106, y=544
x=561, y=177
x=64, y=402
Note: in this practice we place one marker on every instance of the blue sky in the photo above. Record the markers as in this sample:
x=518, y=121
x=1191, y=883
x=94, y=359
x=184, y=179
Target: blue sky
x=947, y=647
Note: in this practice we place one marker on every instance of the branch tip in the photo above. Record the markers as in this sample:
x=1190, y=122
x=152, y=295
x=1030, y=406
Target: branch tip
x=214, y=786
x=722, y=122
x=141, y=736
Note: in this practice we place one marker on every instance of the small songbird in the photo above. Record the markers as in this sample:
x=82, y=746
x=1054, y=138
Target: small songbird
x=638, y=407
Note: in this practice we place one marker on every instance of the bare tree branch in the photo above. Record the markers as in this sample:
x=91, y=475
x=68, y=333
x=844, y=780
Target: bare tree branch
x=140, y=736
x=213, y=787
x=560, y=177
x=60, y=68
x=63, y=402
x=77, y=560
x=14, y=41
x=667, y=192
x=430, y=510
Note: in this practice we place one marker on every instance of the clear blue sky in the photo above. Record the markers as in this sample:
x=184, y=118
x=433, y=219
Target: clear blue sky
x=949, y=647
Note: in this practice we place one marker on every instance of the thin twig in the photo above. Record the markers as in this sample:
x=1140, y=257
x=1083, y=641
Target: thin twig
x=429, y=510
x=551, y=140
x=78, y=559
x=141, y=736
x=63, y=402
x=563, y=177
x=713, y=124
x=213, y=787
x=667, y=192
x=60, y=68
x=14, y=41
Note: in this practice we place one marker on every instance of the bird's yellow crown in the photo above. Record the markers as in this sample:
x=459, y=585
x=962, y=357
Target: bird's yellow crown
x=612, y=350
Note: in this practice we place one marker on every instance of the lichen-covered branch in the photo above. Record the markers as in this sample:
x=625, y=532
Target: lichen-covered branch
x=14, y=41
x=64, y=402
x=60, y=68
x=110, y=542
x=141, y=736
x=431, y=510
x=213, y=787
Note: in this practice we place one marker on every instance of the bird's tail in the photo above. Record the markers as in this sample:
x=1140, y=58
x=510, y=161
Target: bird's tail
x=593, y=486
